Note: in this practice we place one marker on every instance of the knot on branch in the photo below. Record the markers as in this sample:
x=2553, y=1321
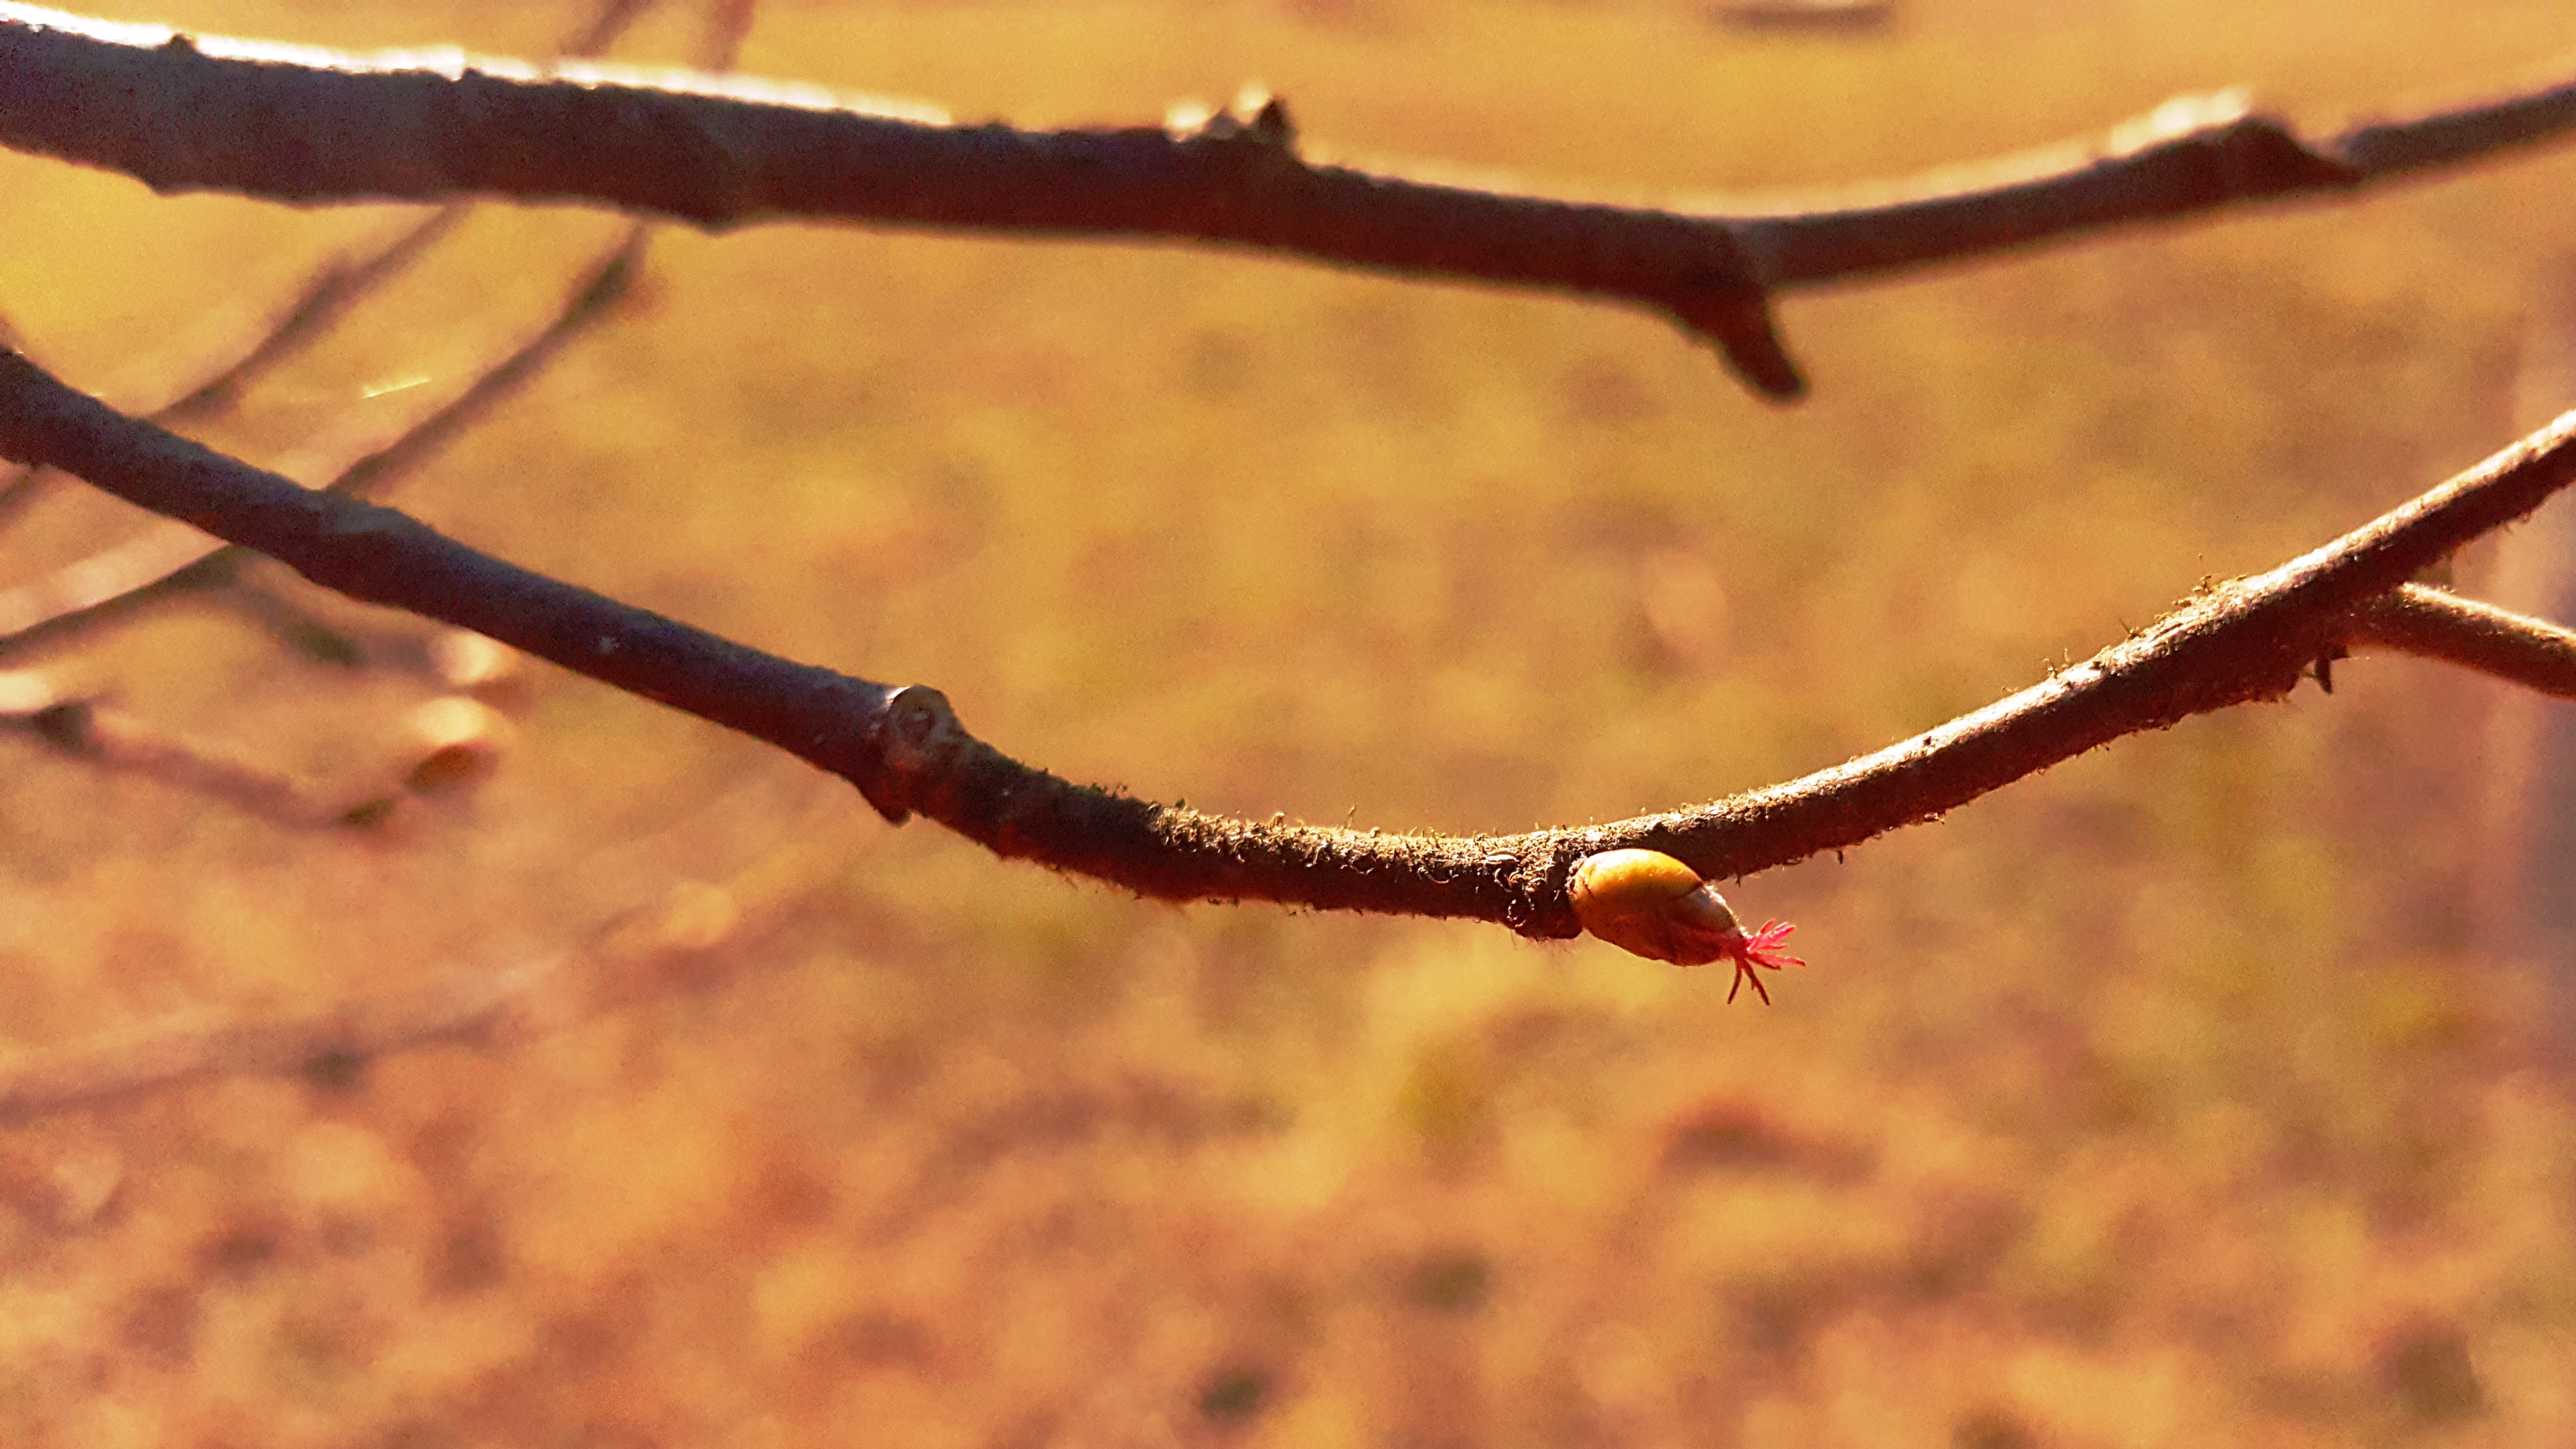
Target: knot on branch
x=917, y=741
x=2229, y=150
x=1256, y=124
x=2261, y=155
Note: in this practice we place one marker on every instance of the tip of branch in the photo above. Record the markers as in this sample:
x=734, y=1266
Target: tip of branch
x=1738, y=320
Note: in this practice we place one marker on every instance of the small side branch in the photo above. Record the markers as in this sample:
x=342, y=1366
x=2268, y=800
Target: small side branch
x=187, y=112
x=906, y=752
x=115, y=740
x=2414, y=619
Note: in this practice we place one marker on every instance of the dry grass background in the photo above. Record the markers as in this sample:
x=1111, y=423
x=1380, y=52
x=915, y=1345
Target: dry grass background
x=2167, y=1099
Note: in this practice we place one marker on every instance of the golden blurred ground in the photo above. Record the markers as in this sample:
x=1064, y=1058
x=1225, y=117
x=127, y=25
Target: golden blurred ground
x=2162, y=1100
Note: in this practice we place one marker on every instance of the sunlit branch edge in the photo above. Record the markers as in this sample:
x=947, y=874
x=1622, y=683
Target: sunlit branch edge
x=193, y=112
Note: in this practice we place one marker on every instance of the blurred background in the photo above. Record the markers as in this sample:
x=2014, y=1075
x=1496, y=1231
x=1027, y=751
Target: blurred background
x=2209, y=1089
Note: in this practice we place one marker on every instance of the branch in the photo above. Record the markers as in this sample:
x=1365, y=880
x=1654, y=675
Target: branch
x=445, y=743
x=905, y=751
x=185, y=112
x=210, y=384
x=2413, y=619
x=695, y=936
x=330, y=1040
x=2191, y=154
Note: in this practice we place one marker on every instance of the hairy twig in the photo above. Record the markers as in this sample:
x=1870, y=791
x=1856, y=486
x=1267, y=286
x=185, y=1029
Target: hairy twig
x=185, y=112
x=904, y=749
x=210, y=380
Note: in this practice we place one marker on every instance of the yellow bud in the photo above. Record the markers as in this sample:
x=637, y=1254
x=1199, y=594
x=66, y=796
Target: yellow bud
x=1650, y=903
x=460, y=743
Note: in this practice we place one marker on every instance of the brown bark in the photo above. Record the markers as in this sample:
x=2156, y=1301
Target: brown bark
x=185, y=112
x=905, y=751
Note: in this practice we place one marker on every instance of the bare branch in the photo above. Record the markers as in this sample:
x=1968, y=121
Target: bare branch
x=446, y=742
x=2191, y=154
x=2414, y=619
x=168, y=1053
x=185, y=112
x=682, y=939
x=907, y=754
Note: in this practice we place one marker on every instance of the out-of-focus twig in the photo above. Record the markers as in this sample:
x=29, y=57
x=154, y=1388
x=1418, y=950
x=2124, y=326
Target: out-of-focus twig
x=188, y=112
x=364, y=457
x=114, y=739
x=2415, y=619
x=212, y=377
x=193, y=1049
x=443, y=744
x=688, y=937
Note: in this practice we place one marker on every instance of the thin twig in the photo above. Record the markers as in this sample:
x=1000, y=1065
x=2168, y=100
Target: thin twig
x=444, y=743
x=2414, y=619
x=113, y=739
x=174, y=559
x=171, y=558
x=189, y=112
x=209, y=381
x=904, y=749
x=688, y=937
x=168, y=1053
